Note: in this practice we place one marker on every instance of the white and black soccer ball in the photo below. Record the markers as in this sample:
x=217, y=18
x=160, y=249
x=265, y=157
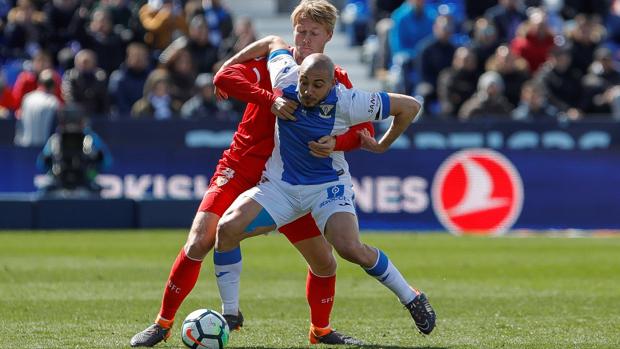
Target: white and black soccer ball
x=204, y=328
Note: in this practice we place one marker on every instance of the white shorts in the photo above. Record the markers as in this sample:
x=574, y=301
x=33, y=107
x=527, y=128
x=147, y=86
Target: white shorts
x=285, y=202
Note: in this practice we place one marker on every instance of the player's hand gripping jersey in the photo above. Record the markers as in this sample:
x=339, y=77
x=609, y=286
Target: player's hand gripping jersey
x=290, y=160
x=253, y=141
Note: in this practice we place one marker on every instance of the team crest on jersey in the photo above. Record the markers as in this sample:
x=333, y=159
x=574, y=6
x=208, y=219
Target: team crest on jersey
x=326, y=110
x=220, y=181
x=228, y=172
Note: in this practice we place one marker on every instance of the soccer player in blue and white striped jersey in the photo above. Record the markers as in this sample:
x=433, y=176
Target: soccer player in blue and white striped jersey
x=295, y=182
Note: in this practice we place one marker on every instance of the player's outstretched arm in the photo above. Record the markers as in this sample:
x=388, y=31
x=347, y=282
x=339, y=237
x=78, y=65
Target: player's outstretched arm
x=258, y=48
x=254, y=50
x=404, y=109
x=240, y=81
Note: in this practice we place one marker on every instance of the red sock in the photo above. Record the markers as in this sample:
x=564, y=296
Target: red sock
x=181, y=281
x=320, y=293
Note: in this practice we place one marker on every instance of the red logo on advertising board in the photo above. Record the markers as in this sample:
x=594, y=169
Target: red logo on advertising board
x=477, y=191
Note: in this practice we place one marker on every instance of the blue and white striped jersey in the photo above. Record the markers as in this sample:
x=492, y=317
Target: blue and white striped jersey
x=291, y=160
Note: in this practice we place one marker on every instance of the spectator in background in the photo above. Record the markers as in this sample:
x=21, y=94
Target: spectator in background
x=601, y=86
x=384, y=8
x=127, y=83
x=513, y=70
x=534, y=40
x=101, y=39
x=584, y=36
x=203, y=105
x=163, y=21
x=244, y=34
x=412, y=22
x=27, y=79
x=572, y=8
x=204, y=55
x=355, y=18
x=507, y=16
x=24, y=32
x=612, y=26
x=61, y=16
x=458, y=82
x=7, y=103
x=534, y=104
x=86, y=84
x=484, y=42
x=157, y=102
x=562, y=81
x=436, y=55
x=477, y=8
x=489, y=100
x=65, y=58
x=219, y=20
x=37, y=112
x=124, y=23
x=178, y=62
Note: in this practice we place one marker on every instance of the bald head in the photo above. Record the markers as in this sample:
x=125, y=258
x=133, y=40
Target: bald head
x=316, y=78
x=318, y=62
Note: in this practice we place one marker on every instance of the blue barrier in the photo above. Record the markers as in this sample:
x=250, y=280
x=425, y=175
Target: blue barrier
x=83, y=213
x=566, y=176
x=16, y=214
x=165, y=213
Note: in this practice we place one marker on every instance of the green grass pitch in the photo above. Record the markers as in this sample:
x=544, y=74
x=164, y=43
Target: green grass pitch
x=96, y=289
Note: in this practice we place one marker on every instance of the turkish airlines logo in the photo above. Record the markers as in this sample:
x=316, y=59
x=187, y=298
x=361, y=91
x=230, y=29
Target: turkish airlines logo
x=477, y=191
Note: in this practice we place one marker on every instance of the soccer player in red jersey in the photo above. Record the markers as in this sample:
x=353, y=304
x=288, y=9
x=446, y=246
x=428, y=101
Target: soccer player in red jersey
x=240, y=169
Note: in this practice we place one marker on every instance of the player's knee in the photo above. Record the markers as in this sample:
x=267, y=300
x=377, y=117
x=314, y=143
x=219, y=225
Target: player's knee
x=201, y=237
x=228, y=232
x=324, y=267
x=352, y=252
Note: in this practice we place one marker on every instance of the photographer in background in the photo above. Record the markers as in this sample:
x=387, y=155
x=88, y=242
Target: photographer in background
x=73, y=157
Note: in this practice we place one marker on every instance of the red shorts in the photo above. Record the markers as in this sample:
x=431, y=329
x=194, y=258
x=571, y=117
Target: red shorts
x=226, y=186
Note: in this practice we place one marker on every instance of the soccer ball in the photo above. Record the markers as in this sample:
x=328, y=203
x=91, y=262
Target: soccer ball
x=204, y=328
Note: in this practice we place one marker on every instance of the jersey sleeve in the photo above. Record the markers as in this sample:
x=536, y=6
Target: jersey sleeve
x=282, y=69
x=360, y=106
x=243, y=82
x=351, y=139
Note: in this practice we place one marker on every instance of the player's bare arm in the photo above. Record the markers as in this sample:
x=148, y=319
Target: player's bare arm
x=404, y=109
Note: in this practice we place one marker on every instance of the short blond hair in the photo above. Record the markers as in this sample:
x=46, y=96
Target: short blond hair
x=320, y=11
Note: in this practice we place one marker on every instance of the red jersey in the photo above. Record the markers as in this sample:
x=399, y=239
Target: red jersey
x=27, y=82
x=253, y=141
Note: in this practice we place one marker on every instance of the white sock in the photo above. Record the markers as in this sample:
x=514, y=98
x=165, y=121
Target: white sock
x=228, y=274
x=390, y=277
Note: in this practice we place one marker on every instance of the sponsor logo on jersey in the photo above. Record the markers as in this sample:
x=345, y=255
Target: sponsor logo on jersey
x=372, y=105
x=477, y=191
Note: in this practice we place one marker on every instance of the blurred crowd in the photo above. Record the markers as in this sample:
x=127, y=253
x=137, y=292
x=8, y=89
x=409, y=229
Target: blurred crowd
x=155, y=59
x=508, y=59
x=150, y=59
